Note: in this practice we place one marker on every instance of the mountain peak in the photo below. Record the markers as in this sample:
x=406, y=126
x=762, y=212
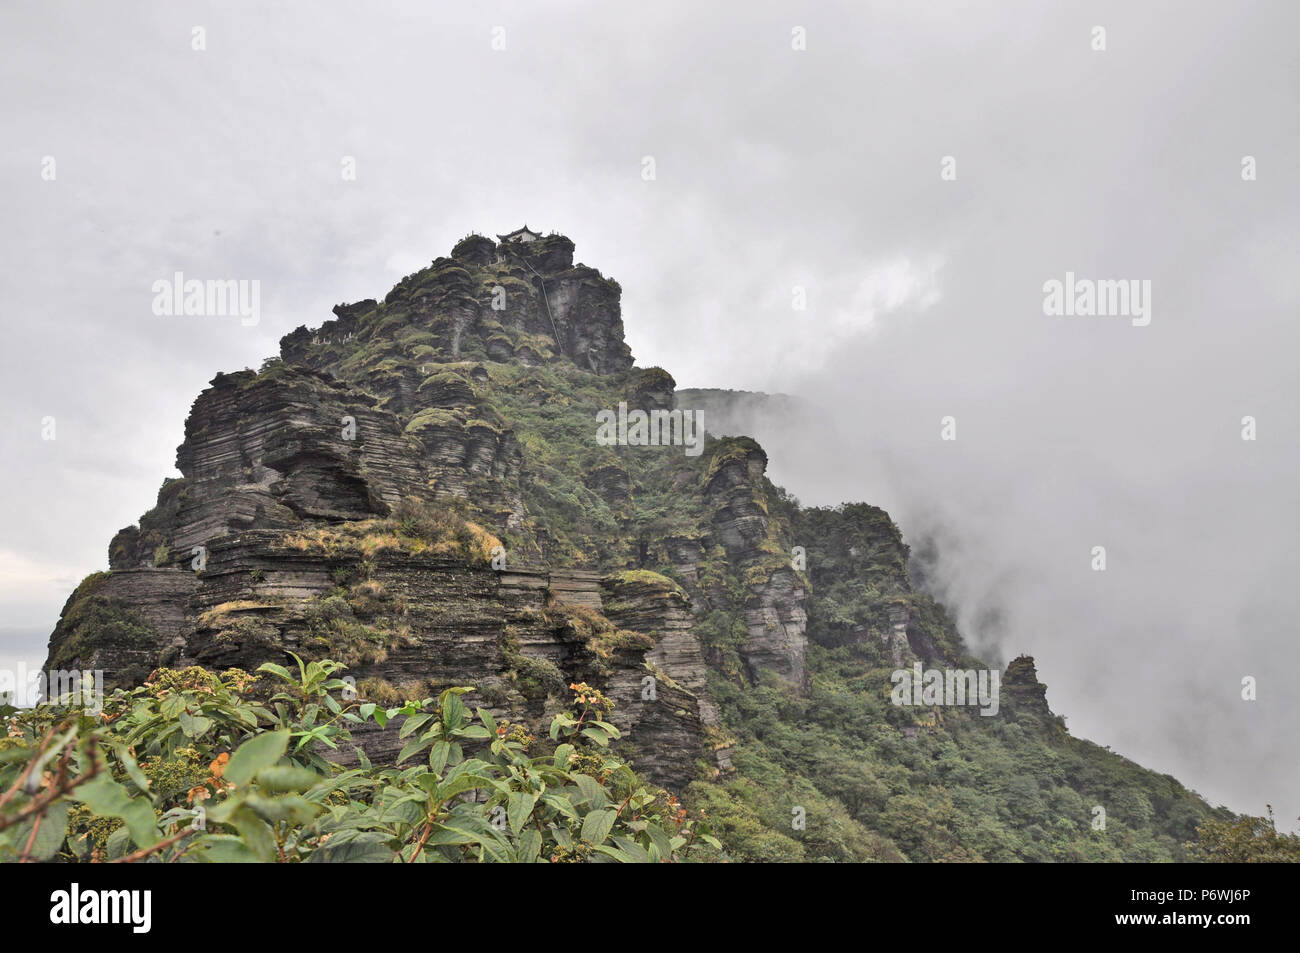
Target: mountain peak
x=518, y=300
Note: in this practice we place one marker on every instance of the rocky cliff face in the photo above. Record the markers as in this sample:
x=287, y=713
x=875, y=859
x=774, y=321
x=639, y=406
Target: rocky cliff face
x=379, y=495
x=415, y=489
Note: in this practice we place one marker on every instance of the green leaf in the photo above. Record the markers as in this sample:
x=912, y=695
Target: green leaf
x=530, y=846
x=453, y=711
x=286, y=777
x=172, y=706
x=106, y=798
x=495, y=849
x=194, y=726
x=438, y=757
x=276, y=670
x=562, y=754
x=519, y=808
x=128, y=762
x=255, y=754
x=412, y=724
x=460, y=784
x=596, y=735
x=485, y=716
x=561, y=804
x=118, y=842
x=621, y=856
x=597, y=825
x=287, y=808
x=635, y=850
x=562, y=836
x=408, y=811
x=562, y=720
x=223, y=849
x=592, y=792
x=364, y=848
x=51, y=833
x=660, y=839
x=411, y=747
x=452, y=835
x=255, y=832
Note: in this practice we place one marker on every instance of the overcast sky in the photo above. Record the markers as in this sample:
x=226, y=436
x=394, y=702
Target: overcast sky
x=774, y=168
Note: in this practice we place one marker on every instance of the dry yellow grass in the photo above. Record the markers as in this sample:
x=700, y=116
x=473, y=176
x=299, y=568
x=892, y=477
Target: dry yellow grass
x=370, y=537
x=214, y=615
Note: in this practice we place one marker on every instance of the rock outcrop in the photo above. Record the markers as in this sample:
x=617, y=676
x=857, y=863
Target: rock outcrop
x=366, y=496
x=1022, y=689
x=415, y=489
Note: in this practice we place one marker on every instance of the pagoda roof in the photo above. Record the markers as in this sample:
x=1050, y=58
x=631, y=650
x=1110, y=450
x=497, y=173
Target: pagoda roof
x=519, y=233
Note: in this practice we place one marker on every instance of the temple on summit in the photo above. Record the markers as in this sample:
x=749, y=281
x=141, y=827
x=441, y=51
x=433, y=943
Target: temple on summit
x=524, y=234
